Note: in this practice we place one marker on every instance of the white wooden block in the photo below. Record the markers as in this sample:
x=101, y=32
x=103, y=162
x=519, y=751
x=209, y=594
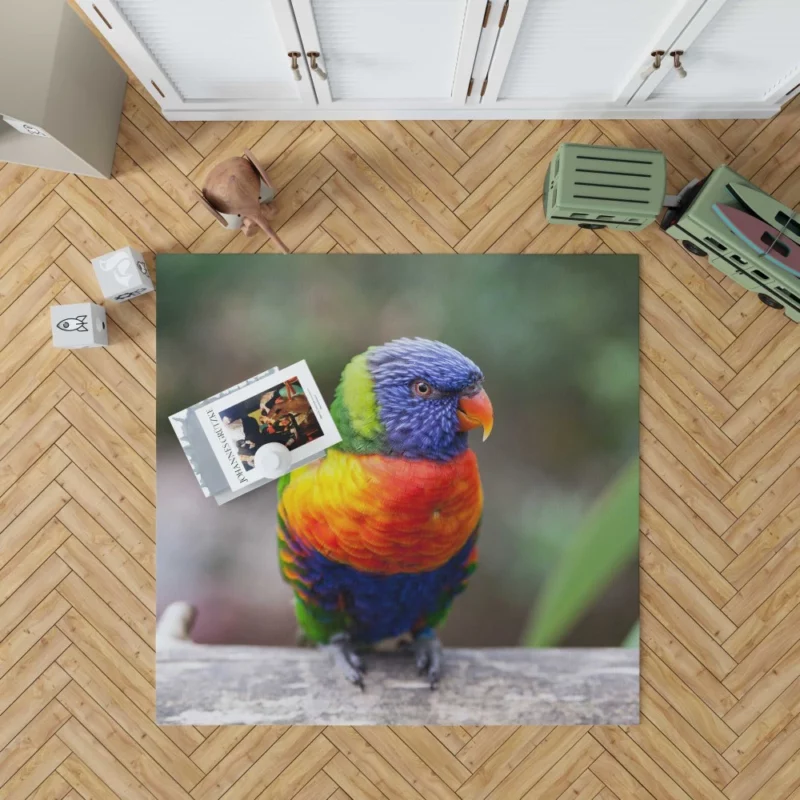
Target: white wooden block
x=122, y=274
x=79, y=325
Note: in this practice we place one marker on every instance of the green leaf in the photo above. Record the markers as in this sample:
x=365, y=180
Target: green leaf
x=606, y=540
x=632, y=639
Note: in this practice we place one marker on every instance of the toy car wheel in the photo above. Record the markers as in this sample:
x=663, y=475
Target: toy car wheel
x=769, y=301
x=592, y=226
x=693, y=248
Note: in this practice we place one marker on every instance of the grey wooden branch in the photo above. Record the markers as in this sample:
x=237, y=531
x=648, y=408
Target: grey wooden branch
x=237, y=685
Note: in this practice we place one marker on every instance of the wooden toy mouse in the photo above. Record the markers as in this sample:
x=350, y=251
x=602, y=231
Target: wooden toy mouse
x=237, y=192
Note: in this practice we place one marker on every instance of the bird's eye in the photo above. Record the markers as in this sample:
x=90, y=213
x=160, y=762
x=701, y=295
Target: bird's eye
x=421, y=389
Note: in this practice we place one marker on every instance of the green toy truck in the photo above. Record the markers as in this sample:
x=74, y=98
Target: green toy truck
x=599, y=187
x=701, y=231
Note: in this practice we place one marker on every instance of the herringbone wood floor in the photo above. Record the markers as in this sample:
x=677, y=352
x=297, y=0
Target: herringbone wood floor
x=720, y=411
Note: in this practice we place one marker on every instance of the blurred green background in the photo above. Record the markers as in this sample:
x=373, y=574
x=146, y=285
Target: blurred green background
x=557, y=339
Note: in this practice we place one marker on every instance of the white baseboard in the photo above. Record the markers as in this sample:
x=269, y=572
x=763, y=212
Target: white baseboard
x=699, y=111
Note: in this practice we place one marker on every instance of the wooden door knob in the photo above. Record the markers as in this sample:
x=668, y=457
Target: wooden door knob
x=676, y=60
x=657, y=55
x=295, y=66
x=312, y=57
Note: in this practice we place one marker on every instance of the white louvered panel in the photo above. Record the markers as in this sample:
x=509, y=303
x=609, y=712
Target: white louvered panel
x=210, y=49
x=749, y=48
x=389, y=49
x=582, y=49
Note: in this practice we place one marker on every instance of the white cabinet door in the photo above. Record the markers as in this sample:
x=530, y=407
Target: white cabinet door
x=208, y=54
x=735, y=51
x=390, y=54
x=563, y=54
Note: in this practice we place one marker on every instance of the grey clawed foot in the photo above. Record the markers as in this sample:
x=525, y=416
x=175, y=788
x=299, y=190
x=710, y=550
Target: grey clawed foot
x=347, y=660
x=428, y=654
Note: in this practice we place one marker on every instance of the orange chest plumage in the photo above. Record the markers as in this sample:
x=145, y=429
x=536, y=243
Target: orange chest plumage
x=382, y=514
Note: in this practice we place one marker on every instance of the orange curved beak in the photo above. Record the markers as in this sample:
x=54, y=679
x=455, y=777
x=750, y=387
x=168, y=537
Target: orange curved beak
x=474, y=411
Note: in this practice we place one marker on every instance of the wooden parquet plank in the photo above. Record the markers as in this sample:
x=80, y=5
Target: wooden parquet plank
x=105, y=657
x=111, y=625
x=31, y=738
x=12, y=176
x=30, y=230
x=776, y=644
x=764, y=729
x=669, y=733
x=684, y=412
x=419, y=161
x=768, y=433
x=208, y=135
x=683, y=374
x=503, y=762
x=566, y=771
x=142, y=114
x=454, y=738
x=33, y=717
x=640, y=765
x=493, y=152
x=119, y=743
x=19, y=568
x=153, y=161
x=106, y=777
x=384, y=198
x=720, y=446
x=402, y=180
x=352, y=203
x=26, y=198
x=109, y=443
x=435, y=755
x=112, y=519
x=320, y=787
x=476, y=133
x=356, y=785
x=36, y=770
x=685, y=449
x=154, y=199
x=378, y=770
x=124, y=711
x=759, y=698
x=39, y=294
x=674, y=552
x=313, y=758
x=30, y=266
x=437, y=143
x=507, y=200
x=670, y=614
x=102, y=472
x=43, y=362
x=32, y=592
x=106, y=585
x=31, y=629
x=745, y=609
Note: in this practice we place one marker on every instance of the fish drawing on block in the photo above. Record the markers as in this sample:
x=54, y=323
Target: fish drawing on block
x=74, y=324
x=763, y=238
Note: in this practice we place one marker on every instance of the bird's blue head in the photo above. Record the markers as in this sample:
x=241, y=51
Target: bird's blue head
x=415, y=398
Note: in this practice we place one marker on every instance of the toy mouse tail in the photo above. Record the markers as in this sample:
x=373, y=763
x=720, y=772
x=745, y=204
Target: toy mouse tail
x=268, y=229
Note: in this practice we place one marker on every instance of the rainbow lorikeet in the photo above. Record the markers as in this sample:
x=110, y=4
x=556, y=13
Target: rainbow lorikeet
x=378, y=537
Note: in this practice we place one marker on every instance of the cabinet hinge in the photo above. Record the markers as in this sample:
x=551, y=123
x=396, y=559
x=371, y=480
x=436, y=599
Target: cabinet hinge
x=487, y=12
x=469, y=88
x=483, y=88
x=503, y=15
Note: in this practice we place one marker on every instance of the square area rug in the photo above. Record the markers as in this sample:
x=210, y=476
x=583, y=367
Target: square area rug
x=419, y=552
